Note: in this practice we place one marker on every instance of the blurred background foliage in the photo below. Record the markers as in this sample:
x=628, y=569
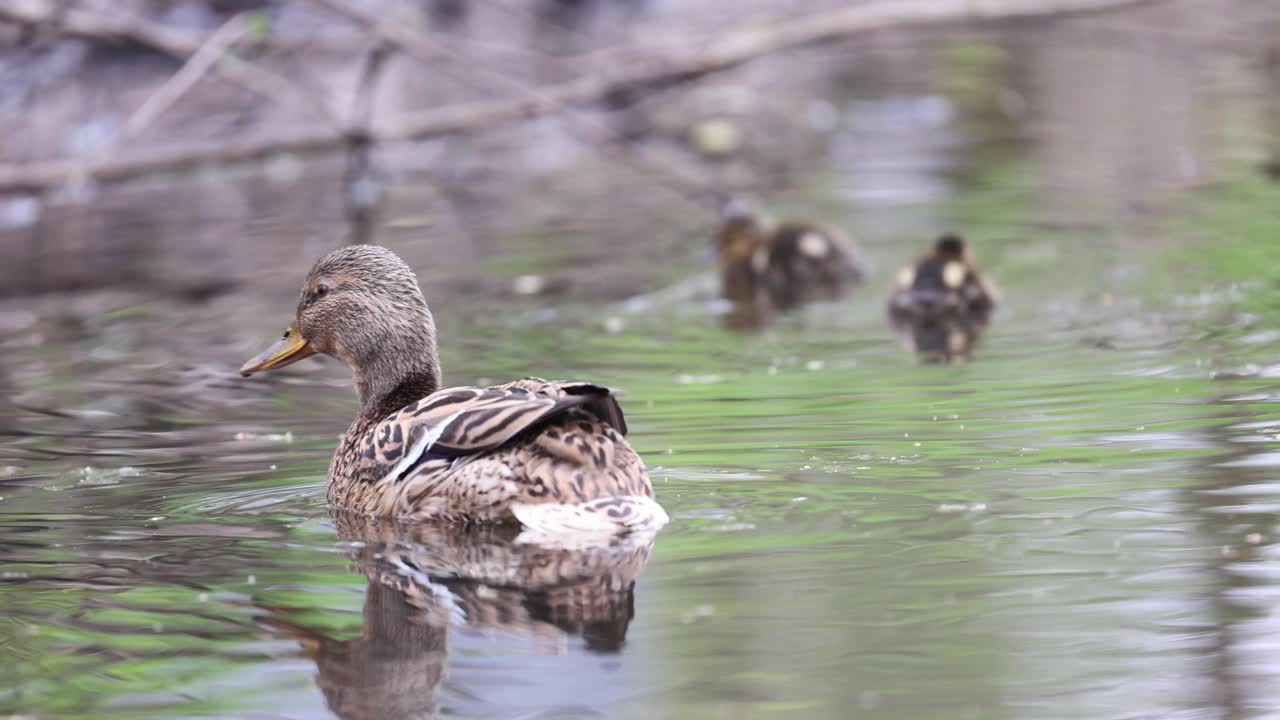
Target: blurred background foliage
x=1079, y=523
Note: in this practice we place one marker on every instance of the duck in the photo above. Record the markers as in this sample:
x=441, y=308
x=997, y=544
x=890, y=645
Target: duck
x=941, y=303
x=548, y=455
x=767, y=267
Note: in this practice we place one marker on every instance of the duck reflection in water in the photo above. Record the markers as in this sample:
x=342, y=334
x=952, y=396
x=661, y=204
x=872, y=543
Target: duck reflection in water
x=423, y=580
x=767, y=268
x=941, y=304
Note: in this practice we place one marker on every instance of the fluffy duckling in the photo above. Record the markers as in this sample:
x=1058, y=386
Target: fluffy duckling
x=944, y=280
x=764, y=267
x=547, y=454
x=941, y=303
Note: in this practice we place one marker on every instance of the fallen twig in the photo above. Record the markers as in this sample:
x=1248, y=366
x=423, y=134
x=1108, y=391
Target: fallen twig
x=187, y=76
x=732, y=49
x=364, y=186
x=181, y=44
x=590, y=132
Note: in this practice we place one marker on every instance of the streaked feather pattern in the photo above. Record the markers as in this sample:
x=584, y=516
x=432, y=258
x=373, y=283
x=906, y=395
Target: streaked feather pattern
x=479, y=453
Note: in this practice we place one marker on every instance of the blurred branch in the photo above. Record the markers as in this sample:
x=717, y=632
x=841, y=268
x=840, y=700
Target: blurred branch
x=590, y=133
x=123, y=27
x=731, y=49
x=186, y=78
x=394, y=34
x=363, y=184
x=86, y=24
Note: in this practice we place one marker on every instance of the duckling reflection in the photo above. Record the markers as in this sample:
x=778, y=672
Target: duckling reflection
x=941, y=304
x=424, y=579
x=767, y=268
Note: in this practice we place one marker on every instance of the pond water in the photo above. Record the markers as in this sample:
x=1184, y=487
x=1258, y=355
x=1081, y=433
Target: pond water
x=1079, y=523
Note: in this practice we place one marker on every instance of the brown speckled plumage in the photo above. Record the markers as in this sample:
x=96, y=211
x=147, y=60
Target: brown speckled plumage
x=548, y=454
x=764, y=268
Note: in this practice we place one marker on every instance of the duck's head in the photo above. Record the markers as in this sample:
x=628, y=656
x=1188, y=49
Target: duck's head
x=362, y=305
x=951, y=247
x=742, y=231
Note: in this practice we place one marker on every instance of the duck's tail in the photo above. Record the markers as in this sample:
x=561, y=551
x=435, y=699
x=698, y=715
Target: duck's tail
x=616, y=515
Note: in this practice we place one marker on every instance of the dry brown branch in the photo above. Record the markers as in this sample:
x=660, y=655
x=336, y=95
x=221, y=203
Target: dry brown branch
x=89, y=25
x=592, y=133
x=393, y=33
x=732, y=49
x=181, y=44
x=364, y=186
x=200, y=63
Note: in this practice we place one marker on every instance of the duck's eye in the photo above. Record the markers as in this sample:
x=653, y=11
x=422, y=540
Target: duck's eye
x=322, y=289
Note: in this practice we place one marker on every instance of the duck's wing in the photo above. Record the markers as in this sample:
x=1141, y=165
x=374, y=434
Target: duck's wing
x=469, y=420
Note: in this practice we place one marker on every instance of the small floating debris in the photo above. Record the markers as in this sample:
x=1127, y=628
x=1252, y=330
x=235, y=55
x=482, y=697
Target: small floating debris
x=961, y=507
x=814, y=365
x=698, y=379
x=1248, y=371
x=698, y=613
x=107, y=476
x=286, y=437
x=715, y=137
x=528, y=284
x=614, y=325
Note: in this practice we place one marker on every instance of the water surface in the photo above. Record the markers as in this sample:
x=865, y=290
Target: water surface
x=1078, y=523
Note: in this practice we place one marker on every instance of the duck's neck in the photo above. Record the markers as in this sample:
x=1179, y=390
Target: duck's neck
x=386, y=389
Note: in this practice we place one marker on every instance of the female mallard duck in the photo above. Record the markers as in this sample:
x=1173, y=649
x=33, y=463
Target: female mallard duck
x=548, y=454
x=765, y=267
x=941, y=303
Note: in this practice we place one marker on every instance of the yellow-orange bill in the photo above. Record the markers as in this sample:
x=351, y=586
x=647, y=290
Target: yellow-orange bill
x=286, y=351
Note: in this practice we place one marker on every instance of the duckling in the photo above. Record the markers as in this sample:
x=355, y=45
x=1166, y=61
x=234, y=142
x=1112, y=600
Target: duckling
x=944, y=280
x=549, y=455
x=742, y=245
x=765, y=268
x=941, y=303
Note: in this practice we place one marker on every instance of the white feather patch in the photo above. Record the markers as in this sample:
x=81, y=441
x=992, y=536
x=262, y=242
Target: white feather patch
x=953, y=274
x=590, y=519
x=814, y=245
x=421, y=447
x=906, y=277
